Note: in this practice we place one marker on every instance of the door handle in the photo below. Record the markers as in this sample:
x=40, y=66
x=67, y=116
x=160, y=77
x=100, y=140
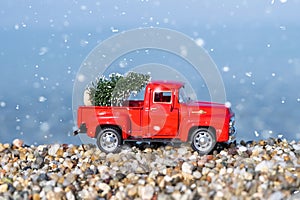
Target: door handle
x=153, y=109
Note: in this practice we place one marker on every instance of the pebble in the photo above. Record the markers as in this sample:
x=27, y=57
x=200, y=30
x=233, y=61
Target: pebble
x=53, y=149
x=242, y=148
x=264, y=166
x=187, y=167
x=104, y=187
x=146, y=192
x=18, y=143
x=197, y=174
x=36, y=196
x=132, y=191
x=267, y=169
x=70, y=195
x=3, y=188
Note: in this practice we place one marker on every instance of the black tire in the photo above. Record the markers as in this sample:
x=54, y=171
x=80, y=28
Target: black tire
x=203, y=141
x=109, y=140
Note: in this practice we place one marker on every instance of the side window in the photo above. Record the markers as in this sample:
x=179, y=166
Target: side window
x=162, y=97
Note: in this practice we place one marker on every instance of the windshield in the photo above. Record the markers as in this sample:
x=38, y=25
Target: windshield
x=183, y=98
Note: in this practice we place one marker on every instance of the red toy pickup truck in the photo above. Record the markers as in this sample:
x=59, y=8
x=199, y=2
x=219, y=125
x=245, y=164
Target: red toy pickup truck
x=165, y=115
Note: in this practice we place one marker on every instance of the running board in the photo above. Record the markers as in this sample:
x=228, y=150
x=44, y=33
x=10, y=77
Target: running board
x=149, y=140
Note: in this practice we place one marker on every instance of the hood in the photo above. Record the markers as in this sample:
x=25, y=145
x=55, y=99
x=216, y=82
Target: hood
x=209, y=107
x=206, y=104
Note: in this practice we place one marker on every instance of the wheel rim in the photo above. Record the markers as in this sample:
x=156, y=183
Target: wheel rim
x=203, y=141
x=109, y=141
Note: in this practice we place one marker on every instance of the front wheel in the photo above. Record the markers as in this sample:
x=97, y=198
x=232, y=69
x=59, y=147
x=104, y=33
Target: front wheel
x=109, y=140
x=203, y=140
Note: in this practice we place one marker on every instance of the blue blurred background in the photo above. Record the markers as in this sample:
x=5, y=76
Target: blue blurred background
x=254, y=43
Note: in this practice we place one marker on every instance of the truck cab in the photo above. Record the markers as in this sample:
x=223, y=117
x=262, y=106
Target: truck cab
x=164, y=115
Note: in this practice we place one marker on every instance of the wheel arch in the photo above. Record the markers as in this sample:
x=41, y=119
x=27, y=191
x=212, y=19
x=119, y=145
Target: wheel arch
x=103, y=126
x=192, y=129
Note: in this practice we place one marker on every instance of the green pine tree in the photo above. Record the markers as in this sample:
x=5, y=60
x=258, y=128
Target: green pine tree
x=116, y=89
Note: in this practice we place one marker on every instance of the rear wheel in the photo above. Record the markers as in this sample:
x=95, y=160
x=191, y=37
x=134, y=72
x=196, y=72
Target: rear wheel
x=109, y=140
x=203, y=140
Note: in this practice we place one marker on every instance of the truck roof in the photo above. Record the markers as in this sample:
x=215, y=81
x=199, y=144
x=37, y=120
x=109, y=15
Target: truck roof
x=166, y=84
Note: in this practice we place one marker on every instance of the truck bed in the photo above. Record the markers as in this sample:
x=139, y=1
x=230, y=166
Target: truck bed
x=92, y=116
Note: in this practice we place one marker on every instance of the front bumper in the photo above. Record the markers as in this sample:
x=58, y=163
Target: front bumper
x=232, y=130
x=82, y=129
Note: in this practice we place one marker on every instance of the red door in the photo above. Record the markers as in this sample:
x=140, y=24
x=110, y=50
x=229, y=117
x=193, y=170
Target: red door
x=163, y=117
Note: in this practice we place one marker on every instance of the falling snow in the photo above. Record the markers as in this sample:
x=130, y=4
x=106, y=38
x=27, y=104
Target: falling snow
x=200, y=42
x=42, y=99
x=226, y=69
x=2, y=104
x=114, y=30
x=44, y=127
x=43, y=51
x=258, y=60
x=81, y=78
x=249, y=74
x=123, y=63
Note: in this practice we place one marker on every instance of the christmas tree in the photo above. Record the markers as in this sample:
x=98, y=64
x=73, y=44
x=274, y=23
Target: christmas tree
x=116, y=89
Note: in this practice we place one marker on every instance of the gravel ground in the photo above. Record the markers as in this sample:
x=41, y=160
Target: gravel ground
x=268, y=169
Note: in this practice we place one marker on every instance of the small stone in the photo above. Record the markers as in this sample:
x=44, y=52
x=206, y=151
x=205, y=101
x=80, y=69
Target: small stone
x=277, y=196
x=104, y=187
x=242, y=148
x=18, y=143
x=120, y=176
x=182, y=151
x=71, y=177
x=141, y=182
x=286, y=158
x=266, y=157
x=70, y=195
x=262, y=143
x=220, y=194
x=176, y=195
x=132, y=191
x=208, y=179
x=53, y=149
x=232, y=151
x=163, y=196
x=296, y=147
x=197, y=174
x=30, y=157
x=264, y=166
x=38, y=163
x=1, y=147
x=209, y=157
x=248, y=176
x=210, y=165
x=6, y=146
x=146, y=192
x=3, y=188
x=60, y=152
x=68, y=163
x=54, y=195
x=187, y=167
x=36, y=196
x=43, y=177
x=169, y=189
x=161, y=182
x=243, y=143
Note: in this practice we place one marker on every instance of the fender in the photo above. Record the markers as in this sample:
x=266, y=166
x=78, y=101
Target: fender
x=121, y=121
x=208, y=121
